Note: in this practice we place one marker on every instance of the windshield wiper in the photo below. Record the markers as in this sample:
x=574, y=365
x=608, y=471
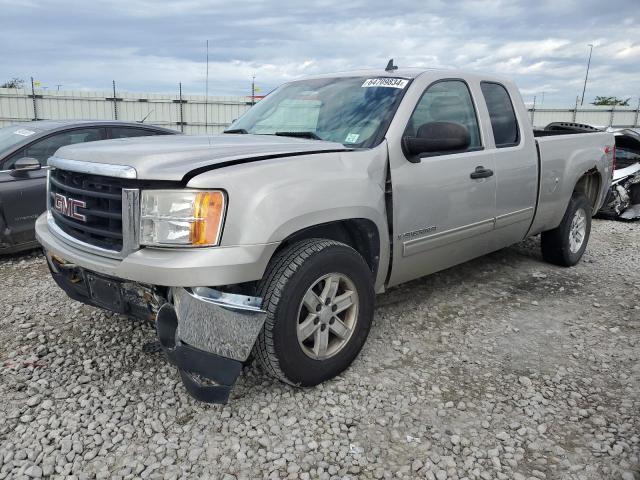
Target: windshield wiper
x=236, y=130
x=310, y=135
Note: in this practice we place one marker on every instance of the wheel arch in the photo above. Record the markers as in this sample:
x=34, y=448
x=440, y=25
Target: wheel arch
x=590, y=184
x=361, y=234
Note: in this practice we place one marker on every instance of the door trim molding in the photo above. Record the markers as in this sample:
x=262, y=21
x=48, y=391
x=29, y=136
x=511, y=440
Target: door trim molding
x=429, y=242
x=517, y=216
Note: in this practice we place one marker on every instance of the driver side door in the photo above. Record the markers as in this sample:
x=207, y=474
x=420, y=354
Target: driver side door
x=443, y=214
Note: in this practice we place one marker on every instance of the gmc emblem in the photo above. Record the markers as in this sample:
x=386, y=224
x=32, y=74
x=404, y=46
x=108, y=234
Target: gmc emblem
x=69, y=207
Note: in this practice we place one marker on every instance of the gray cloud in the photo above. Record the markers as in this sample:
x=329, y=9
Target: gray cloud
x=151, y=45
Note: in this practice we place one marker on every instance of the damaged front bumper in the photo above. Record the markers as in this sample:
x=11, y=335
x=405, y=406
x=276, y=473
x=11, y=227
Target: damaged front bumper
x=207, y=334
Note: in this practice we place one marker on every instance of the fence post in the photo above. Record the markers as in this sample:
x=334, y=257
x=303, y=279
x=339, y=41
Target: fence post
x=180, y=103
x=533, y=111
x=115, y=101
x=33, y=96
x=613, y=107
x=181, y=111
x=575, y=111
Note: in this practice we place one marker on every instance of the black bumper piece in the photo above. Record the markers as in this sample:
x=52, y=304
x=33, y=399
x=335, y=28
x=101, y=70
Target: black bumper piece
x=111, y=294
x=193, y=363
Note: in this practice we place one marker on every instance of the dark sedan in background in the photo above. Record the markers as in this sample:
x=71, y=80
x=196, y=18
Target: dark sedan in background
x=24, y=150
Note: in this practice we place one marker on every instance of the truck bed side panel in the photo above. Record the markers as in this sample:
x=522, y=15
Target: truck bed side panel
x=563, y=161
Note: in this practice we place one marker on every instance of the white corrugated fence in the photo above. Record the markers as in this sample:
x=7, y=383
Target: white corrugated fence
x=195, y=117
x=198, y=117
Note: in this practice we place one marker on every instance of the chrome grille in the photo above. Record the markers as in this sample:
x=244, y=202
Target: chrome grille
x=102, y=197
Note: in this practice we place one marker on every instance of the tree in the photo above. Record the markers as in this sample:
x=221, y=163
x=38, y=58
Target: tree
x=610, y=101
x=15, y=82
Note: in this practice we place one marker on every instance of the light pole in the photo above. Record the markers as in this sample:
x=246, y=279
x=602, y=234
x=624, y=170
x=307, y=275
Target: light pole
x=206, y=95
x=587, y=74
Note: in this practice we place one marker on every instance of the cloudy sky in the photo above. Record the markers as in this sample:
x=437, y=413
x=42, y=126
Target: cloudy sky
x=151, y=45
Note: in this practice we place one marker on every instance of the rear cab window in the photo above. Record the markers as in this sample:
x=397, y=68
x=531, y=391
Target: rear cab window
x=502, y=114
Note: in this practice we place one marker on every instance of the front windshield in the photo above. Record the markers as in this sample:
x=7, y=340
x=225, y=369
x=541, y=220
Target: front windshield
x=10, y=136
x=351, y=110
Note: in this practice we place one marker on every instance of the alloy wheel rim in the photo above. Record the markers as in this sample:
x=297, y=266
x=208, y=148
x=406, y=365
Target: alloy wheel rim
x=327, y=316
x=577, y=230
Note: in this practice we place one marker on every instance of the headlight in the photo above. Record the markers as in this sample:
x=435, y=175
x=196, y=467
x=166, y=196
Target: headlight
x=181, y=217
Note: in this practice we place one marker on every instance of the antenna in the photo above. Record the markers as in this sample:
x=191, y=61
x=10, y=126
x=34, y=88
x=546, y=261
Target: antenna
x=146, y=116
x=390, y=66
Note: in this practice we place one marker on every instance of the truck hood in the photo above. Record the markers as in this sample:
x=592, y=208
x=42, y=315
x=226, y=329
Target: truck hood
x=172, y=157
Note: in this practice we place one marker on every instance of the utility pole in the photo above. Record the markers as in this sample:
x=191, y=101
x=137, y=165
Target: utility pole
x=206, y=95
x=587, y=74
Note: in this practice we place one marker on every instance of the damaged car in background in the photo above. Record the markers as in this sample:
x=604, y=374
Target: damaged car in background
x=623, y=198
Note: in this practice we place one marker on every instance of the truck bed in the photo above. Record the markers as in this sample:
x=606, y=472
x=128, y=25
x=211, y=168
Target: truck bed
x=564, y=128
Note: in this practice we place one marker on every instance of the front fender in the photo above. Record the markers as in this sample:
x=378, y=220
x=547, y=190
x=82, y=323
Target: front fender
x=269, y=200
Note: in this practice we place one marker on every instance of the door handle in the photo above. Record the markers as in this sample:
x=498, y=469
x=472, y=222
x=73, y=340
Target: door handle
x=481, y=172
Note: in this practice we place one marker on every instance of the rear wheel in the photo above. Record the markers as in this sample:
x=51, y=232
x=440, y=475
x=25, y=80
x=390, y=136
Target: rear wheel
x=566, y=244
x=318, y=295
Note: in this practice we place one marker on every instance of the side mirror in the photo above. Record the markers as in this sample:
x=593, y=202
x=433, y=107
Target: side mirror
x=25, y=164
x=437, y=137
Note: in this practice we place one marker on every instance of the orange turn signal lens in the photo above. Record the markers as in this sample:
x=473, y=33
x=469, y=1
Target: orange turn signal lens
x=208, y=210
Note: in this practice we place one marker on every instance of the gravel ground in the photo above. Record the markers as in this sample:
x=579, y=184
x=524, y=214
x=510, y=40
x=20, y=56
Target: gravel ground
x=505, y=367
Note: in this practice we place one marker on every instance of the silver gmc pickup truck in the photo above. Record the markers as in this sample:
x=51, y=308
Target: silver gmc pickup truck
x=273, y=238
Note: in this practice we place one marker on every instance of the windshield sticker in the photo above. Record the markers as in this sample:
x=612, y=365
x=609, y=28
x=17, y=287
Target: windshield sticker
x=24, y=132
x=352, y=138
x=385, y=82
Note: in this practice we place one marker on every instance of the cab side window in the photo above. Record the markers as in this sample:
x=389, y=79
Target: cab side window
x=502, y=115
x=446, y=101
x=43, y=149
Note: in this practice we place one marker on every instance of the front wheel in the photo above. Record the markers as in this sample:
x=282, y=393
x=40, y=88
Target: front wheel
x=318, y=295
x=566, y=244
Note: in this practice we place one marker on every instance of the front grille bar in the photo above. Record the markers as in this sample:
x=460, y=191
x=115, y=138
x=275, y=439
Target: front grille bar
x=130, y=220
x=73, y=224
x=80, y=191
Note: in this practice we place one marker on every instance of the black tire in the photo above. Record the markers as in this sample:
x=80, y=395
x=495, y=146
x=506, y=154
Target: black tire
x=288, y=277
x=556, y=243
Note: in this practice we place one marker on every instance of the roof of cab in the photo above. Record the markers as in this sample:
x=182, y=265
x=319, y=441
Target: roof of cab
x=414, y=72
